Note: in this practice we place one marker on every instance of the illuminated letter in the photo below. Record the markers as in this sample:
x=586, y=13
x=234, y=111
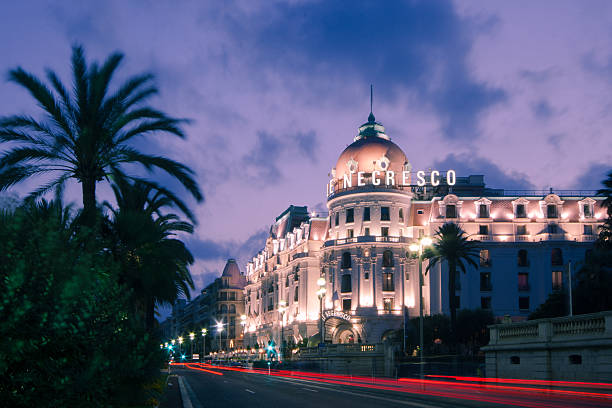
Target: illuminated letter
x=420, y=178
x=375, y=179
x=451, y=177
x=405, y=175
x=360, y=181
x=348, y=180
x=434, y=178
x=390, y=179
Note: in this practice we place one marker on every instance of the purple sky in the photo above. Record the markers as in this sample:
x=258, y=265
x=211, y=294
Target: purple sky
x=518, y=91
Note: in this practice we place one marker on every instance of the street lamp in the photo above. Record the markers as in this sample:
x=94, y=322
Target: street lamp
x=204, y=331
x=219, y=330
x=243, y=324
x=191, y=337
x=321, y=294
x=180, y=340
x=282, y=307
x=417, y=248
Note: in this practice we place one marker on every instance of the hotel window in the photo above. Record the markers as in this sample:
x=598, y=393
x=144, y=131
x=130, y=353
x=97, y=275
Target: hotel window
x=345, y=284
x=551, y=211
x=346, y=305
x=232, y=296
x=388, y=284
x=588, y=230
x=384, y=231
x=367, y=231
x=556, y=257
x=523, y=281
x=485, y=282
x=483, y=229
x=553, y=229
x=401, y=215
x=387, y=259
x=366, y=213
x=523, y=302
x=485, y=302
x=232, y=308
x=350, y=215
x=296, y=295
x=366, y=275
x=520, y=211
x=485, y=259
x=287, y=281
x=330, y=219
x=420, y=212
x=384, y=214
x=337, y=218
x=521, y=230
x=388, y=304
x=349, y=233
x=586, y=208
x=557, y=280
x=296, y=277
x=522, y=258
x=451, y=211
x=270, y=303
x=346, y=260
x=483, y=211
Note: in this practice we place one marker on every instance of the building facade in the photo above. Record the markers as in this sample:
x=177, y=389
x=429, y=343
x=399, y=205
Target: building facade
x=378, y=206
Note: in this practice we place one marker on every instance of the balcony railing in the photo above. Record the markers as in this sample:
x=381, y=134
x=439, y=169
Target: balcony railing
x=365, y=238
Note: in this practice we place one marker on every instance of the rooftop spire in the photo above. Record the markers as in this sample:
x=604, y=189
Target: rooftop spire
x=371, y=117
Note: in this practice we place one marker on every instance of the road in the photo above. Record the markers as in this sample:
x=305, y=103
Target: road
x=210, y=387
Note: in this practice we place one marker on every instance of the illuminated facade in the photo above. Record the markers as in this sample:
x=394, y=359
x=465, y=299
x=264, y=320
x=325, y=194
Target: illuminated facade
x=361, y=248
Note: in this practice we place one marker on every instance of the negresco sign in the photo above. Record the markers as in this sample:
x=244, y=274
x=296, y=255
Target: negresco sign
x=336, y=313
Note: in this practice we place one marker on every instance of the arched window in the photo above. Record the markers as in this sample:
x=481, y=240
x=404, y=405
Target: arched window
x=232, y=309
x=388, y=284
x=346, y=260
x=551, y=211
x=345, y=286
x=387, y=258
x=522, y=258
x=223, y=309
x=556, y=257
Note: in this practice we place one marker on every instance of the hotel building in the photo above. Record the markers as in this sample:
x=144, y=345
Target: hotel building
x=377, y=207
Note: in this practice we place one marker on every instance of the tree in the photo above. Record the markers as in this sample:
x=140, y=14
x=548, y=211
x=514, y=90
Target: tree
x=87, y=133
x=154, y=262
x=453, y=247
x=607, y=193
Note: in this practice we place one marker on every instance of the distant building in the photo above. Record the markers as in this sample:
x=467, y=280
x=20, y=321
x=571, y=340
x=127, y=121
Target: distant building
x=377, y=207
x=220, y=303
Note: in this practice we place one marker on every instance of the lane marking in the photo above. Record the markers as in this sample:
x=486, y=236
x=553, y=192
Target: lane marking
x=247, y=390
x=308, y=389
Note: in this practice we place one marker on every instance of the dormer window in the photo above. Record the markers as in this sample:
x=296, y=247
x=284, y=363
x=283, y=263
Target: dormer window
x=483, y=211
x=551, y=211
x=586, y=208
x=520, y=211
x=451, y=211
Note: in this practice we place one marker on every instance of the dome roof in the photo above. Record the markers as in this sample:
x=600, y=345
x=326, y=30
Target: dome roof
x=371, y=150
x=231, y=269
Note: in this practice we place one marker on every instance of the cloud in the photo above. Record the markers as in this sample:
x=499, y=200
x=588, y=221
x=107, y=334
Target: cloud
x=592, y=177
x=466, y=164
x=242, y=251
x=538, y=76
x=417, y=47
x=542, y=109
x=593, y=65
x=556, y=139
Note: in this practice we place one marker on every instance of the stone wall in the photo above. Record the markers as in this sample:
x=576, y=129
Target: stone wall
x=352, y=359
x=566, y=348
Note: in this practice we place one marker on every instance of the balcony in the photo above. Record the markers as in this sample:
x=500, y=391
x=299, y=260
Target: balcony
x=365, y=238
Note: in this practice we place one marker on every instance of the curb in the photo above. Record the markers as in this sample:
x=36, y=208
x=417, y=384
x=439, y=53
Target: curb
x=187, y=394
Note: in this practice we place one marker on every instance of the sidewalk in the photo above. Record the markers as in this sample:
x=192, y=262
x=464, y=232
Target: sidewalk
x=172, y=394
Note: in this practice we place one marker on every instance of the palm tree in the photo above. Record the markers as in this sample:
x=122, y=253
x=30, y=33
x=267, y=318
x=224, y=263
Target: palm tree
x=154, y=262
x=87, y=133
x=607, y=193
x=453, y=247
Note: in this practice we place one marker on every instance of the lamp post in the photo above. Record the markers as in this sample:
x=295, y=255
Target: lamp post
x=191, y=337
x=418, y=249
x=219, y=330
x=180, y=340
x=321, y=294
x=282, y=307
x=204, y=331
x=243, y=319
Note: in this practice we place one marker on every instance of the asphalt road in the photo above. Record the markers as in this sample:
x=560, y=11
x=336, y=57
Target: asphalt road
x=226, y=388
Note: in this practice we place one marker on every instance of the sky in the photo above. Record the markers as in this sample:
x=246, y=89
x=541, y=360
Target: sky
x=518, y=91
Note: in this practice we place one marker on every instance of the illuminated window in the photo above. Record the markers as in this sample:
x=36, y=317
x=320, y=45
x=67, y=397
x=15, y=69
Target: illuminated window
x=345, y=284
x=350, y=215
x=523, y=281
x=366, y=214
x=520, y=211
x=451, y=211
x=557, y=280
x=346, y=260
x=384, y=214
x=556, y=257
x=388, y=305
x=384, y=231
x=485, y=260
x=346, y=305
x=551, y=211
x=387, y=258
x=388, y=284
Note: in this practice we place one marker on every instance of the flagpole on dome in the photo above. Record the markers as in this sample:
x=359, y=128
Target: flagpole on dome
x=371, y=118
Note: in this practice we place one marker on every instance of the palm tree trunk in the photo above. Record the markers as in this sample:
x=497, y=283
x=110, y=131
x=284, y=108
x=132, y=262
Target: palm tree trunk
x=452, y=271
x=150, y=314
x=89, y=201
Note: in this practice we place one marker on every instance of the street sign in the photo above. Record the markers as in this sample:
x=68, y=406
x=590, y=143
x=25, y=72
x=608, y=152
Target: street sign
x=195, y=357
